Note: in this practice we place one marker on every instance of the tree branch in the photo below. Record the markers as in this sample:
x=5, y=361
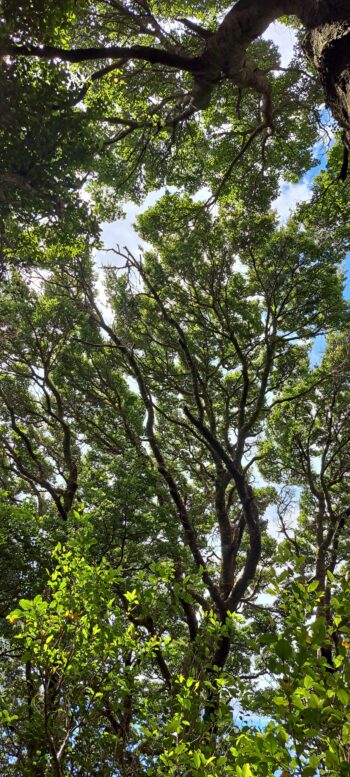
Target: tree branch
x=144, y=53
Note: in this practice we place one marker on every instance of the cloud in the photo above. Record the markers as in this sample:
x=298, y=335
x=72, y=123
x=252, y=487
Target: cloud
x=289, y=197
x=122, y=232
x=284, y=38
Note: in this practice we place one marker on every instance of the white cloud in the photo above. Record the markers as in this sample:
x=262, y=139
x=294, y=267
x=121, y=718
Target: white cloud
x=289, y=197
x=284, y=38
x=120, y=233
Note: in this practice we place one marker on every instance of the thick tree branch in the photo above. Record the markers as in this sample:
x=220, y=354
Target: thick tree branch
x=250, y=512
x=144, y=53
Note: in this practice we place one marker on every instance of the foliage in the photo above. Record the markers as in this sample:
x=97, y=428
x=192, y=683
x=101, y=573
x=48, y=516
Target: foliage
x=174, y=469
x=88, y=658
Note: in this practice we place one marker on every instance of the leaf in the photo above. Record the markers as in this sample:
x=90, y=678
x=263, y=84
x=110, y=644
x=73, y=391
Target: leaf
x=283, y=649
x=281, y=701
x=131, y=596
x=343, y=695
x=308, y=681
x=26, y=604
x=197, y=759
x=14, y=616
x=315, y=701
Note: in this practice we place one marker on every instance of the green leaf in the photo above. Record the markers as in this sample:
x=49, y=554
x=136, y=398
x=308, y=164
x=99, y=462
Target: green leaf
x=281, y=701
x=343, y=695
x=283, y=649
x=26, y=604
x=197, y=759
x=308, y=681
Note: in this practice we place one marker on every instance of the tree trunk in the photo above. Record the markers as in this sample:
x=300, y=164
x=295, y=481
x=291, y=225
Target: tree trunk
x=328, y=48
x=326, y=44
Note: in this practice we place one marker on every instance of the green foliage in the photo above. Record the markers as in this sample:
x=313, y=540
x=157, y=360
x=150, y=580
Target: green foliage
x=90, y=655
x=125, y=641
x=174, y=473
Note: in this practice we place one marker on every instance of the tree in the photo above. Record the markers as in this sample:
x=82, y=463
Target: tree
x=221, y=48
x=151, y=615
x=170, y=84
x=313, y=453
x=152, y=420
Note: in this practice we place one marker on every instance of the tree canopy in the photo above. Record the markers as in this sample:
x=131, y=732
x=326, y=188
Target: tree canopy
x=174, y=456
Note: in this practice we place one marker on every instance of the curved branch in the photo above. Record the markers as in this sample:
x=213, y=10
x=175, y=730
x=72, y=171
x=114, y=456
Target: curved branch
x=250, y=513
x=144, y=53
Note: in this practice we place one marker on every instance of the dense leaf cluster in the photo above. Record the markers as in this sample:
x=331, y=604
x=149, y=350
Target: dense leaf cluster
x=174, y=460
